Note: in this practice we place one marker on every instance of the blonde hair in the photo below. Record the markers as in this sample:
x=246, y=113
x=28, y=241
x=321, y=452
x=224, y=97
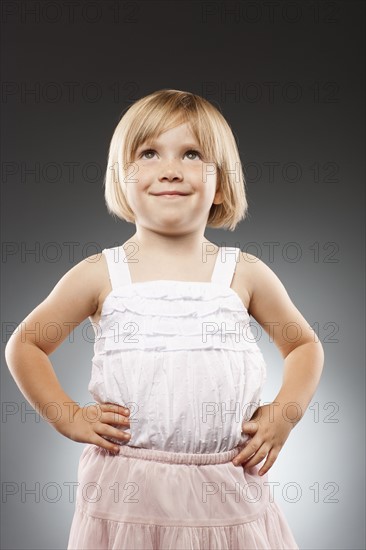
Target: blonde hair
x=162, y=110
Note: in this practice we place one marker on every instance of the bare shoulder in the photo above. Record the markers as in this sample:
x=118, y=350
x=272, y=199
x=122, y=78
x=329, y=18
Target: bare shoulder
x=263, y=285
x=88, y=279
x=96, y=278
x=73, y=299
x=102, y=283
x=243, y=278
x=271, y=306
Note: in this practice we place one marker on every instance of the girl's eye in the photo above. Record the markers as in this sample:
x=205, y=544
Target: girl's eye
x=148, y=151
x=197, y=153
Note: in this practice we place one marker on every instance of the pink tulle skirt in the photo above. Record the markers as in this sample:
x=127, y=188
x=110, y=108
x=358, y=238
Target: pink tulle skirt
x=144, y=499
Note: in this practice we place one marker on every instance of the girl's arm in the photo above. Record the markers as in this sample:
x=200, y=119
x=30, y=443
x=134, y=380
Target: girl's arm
x=303, y=354
x=73, y=299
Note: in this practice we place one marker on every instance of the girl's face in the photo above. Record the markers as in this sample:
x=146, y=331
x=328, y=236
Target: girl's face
x=172, y=163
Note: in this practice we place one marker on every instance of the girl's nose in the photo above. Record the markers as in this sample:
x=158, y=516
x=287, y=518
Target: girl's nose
x=170, y=173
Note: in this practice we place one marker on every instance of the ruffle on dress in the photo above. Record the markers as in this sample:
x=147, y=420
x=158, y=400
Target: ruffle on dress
x=129, y=503
x=268, y=532
x=183, y=358
x=168, y=316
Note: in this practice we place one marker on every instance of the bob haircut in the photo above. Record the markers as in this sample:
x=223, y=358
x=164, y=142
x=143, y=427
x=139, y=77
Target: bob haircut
x=162, y=110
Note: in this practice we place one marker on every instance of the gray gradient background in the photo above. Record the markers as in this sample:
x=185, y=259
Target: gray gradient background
x=172, y=45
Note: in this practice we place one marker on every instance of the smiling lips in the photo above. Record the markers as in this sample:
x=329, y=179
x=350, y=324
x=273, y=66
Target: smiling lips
x=171, y=193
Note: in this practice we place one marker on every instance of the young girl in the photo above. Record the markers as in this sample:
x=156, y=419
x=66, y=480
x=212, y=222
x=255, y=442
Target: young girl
x=171, y=461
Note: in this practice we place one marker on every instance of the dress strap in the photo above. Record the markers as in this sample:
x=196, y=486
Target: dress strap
x=225, y=265
x=119, y=273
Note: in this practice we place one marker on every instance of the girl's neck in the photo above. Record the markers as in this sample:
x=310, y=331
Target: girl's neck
x=181, y=245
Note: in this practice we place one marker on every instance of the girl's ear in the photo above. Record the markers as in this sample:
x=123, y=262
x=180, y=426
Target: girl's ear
x=218, y=199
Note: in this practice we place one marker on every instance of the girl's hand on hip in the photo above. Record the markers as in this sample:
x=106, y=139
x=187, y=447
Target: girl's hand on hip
x=91, y=424
x=269, y=429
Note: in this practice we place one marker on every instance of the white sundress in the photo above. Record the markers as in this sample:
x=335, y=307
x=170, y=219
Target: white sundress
x=182, y=357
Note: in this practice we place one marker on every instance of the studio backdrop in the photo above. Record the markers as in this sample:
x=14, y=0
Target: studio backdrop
x=289, y=78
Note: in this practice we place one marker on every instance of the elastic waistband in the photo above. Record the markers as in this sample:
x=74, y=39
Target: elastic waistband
x=179, y=458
